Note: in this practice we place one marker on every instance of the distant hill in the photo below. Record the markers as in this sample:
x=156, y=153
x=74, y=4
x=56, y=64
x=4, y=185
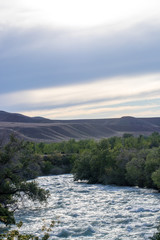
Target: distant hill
x=42, y=129
x=16, y=117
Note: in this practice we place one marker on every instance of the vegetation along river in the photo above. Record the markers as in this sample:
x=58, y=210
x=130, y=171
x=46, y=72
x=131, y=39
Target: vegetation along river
x=84, y=211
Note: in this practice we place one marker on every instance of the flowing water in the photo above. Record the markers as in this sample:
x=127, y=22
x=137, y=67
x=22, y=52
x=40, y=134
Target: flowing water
x=83, y=211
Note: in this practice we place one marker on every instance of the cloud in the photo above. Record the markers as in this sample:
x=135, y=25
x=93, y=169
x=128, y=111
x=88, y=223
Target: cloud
x=99, y=112
x=68, y=14
x=59, y=71
x=39, y=57
x=104, y=96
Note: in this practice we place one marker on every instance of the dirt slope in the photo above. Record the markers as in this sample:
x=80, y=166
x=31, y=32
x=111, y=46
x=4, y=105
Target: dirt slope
x=41, y=129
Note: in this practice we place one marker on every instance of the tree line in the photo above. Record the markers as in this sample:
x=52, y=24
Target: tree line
x=124, y=161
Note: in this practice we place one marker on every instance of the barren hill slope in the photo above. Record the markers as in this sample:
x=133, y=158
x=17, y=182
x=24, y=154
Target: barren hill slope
x=42, y=129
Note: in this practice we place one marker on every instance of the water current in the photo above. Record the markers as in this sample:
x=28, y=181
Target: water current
x=83, y=211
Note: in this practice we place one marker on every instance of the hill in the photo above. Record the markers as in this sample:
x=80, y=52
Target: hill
x=16, y=117
x=41, y=129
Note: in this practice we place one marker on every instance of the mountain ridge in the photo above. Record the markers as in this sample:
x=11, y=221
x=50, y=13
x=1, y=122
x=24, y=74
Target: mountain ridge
x=39, y=129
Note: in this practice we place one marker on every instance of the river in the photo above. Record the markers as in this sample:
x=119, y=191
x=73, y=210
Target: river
x=83, y=211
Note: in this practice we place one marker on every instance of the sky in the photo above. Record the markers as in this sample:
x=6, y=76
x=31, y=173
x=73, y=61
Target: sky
x=80, y=59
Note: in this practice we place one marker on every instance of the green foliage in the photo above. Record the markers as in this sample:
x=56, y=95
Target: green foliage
x=156, y=178
x=47, y=167
x=15, y=160
x=154, y=140
x=6, y=216
x=65, y=147
x=135, y=172
x=15, y=234
x=127, y=135
x=82, y=166
x=122, y=161
x=156, y=236
x=152, y=163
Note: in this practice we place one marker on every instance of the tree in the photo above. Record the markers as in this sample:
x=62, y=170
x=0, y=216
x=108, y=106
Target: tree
x=81, y=167
x=135, y=172
x=151, y=165
x=156, y=178
x=15, y=160
x=154, y=140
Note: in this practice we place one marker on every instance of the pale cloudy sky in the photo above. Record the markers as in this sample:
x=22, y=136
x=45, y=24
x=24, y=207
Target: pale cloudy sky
x=70, y=59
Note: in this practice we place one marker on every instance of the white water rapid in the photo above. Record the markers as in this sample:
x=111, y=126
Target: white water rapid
x=83, y=211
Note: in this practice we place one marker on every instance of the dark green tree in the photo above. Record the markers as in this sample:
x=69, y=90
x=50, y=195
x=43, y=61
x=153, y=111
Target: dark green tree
x=152, y=164
x=15, y=161
x=135, y=173
x=156, y=178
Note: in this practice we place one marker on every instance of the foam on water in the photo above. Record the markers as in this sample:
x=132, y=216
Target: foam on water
x=84, y=211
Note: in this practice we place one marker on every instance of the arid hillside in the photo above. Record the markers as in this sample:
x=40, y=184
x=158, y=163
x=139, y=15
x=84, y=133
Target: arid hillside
x=41, y=129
